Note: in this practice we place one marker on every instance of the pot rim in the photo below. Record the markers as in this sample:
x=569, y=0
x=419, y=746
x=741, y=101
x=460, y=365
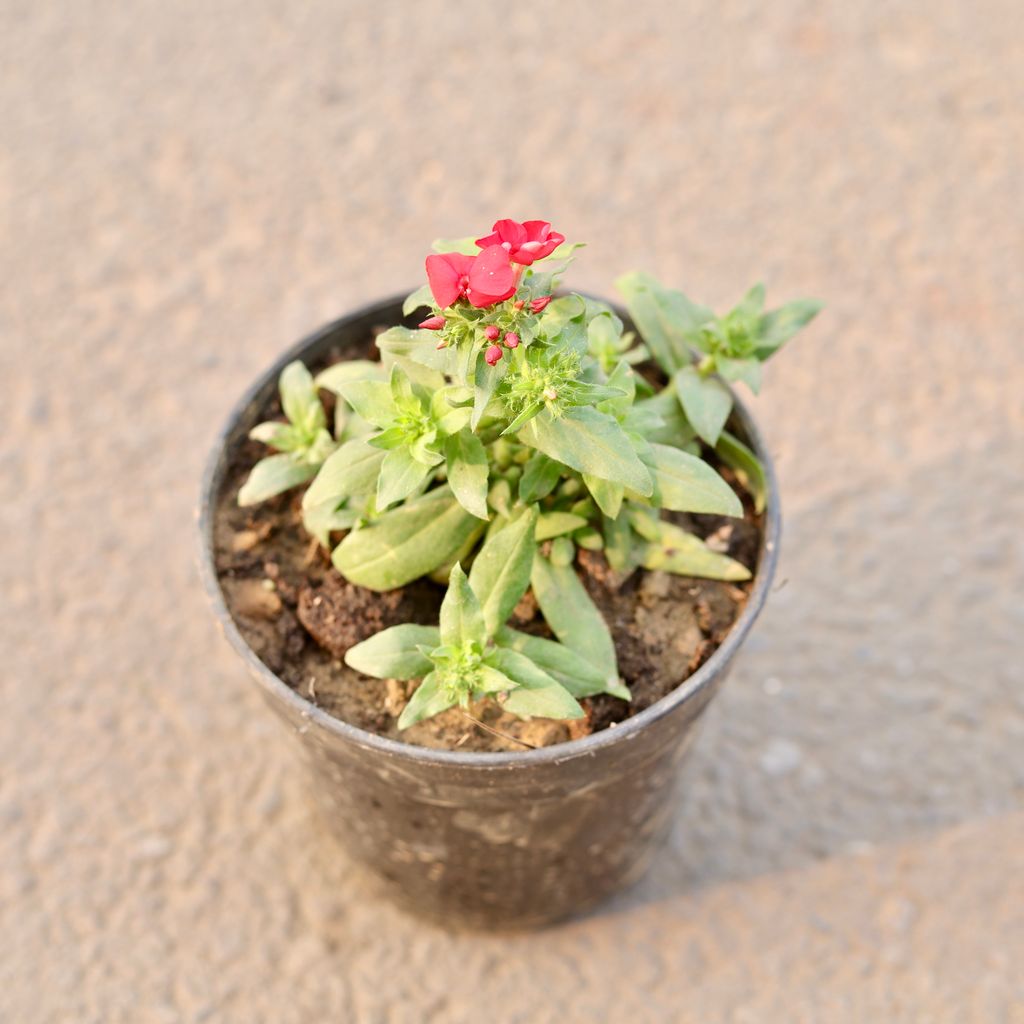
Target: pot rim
x=625, y=731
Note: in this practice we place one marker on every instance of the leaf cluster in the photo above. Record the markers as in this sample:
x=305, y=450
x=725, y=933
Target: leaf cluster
x=439, y=459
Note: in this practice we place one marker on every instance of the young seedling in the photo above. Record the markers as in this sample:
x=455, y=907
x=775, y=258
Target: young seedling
x=472, y=654
x=303, y=441
x=506, y=432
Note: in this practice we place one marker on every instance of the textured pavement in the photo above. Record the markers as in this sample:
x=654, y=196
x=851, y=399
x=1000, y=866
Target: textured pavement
x=186, y=188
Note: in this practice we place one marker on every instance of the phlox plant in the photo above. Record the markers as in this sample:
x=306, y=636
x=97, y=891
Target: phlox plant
x=507, y=430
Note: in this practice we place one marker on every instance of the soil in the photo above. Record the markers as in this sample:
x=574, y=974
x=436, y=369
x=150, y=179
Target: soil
x=300, y=616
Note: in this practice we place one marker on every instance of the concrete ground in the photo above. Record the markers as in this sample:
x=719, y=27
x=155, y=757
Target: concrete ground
x=186, y=188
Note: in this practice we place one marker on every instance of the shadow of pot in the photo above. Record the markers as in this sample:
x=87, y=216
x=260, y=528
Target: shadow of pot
x=488, y=840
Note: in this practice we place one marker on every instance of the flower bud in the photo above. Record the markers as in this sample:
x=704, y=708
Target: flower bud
x=518, y=304
x=432, y=323
x=550, y=394
x=538, y=305
x=512, y=340
x=492, y=355
x=491, y=332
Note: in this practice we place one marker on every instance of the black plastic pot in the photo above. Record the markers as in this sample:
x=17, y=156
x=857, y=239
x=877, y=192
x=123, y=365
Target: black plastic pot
x=488, y=840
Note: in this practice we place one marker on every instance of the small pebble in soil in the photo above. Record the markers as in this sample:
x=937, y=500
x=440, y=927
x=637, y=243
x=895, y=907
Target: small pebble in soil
x=254, y=599
x=244, y=540
x=395, y=697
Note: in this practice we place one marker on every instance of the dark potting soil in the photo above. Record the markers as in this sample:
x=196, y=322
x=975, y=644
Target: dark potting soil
x=300, y=616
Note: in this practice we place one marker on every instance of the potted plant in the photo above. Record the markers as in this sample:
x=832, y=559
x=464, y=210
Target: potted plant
x=490, y=551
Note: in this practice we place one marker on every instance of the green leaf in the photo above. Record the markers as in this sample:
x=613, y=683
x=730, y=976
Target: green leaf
x=402, y=393
x=499, y=497
x=671, y=549
x=666, y=319
x=563, y=252
x=607, y=495
x=684, y=483
x=275, y=434
x=573, y=616
x=320, y=447
x=523, y=418
x=501, y=571
x=638, y=289
x=619, y=548
x=352, y=469
x=571, y=338
x=347, y=425
x=603, y=332
x=299, y=399
x=752, y=303
x=400, y=475
x=563, y=551
x=423, y=296
x=746, y=465
x=539, y=479
x=395, y=653
x=430, y=699
x=705, y=400
x=348, y=370
x=574, y=672
x=462, y=619
x=424, y=452
x=405, y=345
x=674, y=428
x=320, y=520
x=406, y=542
x=746, y=370
x=537, y=694
x=485, y=382
x=683, y=318
x=388, y=440
x=560, y=312
x=622, y=379
x=491, y=681
x=372, y=399
x=454, y=420
x=591, y=442
x=778, y=326
x=466, y=246
x=555, y=524
x=467, y=472
x=274, y=475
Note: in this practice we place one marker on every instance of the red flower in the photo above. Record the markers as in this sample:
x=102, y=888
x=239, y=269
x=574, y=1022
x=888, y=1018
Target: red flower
x=492, y=355
x=432, y=323
x=483, y=279
x=526, y=242
x=492, y=278
x=538, y=305
x=448, y=275
x=512, y=340
x=491, y=332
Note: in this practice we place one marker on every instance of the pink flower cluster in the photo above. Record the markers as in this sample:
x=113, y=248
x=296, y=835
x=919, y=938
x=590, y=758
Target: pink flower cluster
x=490, y=276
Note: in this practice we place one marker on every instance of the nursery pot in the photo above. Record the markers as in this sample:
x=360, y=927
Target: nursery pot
x=488, y=840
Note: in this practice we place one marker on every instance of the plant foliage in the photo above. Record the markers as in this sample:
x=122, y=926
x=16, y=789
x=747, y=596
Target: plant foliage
x=507, y=431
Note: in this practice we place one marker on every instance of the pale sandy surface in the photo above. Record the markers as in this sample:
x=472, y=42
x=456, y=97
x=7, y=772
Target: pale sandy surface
x=187, y=187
